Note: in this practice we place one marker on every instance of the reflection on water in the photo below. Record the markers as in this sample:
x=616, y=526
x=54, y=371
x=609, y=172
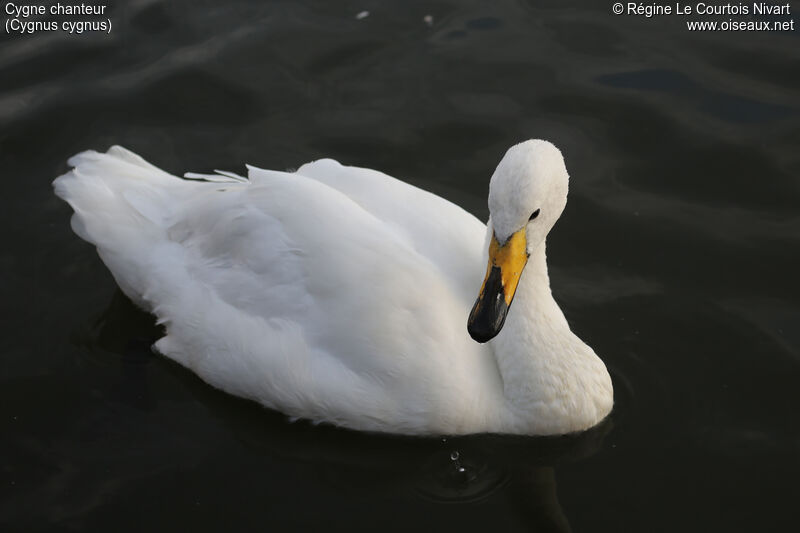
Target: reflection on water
x=676, y=260
x=126, y=436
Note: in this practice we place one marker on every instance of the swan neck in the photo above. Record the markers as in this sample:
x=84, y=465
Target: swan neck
x=551, y=379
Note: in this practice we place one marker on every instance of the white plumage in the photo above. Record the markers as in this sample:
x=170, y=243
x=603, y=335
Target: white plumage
x=340, y=294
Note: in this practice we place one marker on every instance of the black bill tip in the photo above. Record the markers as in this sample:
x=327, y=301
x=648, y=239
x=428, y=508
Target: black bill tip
x=489, y=312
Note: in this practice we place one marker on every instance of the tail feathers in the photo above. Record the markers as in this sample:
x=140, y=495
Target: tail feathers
x=221, y=176
x=116, y=194
x=122, y=205
x=116, y=154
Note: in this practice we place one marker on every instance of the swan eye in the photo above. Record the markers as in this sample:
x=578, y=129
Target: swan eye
x=534, y=214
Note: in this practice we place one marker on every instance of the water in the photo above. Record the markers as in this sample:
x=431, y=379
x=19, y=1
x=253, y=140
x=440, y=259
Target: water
x=676, y=259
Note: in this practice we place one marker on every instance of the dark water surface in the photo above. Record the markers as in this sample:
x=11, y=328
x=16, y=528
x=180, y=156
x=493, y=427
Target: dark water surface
x=677, y=259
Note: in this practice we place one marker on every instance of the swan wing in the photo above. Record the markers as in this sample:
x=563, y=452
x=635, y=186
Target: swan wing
x=445, y=233
x=290, y=292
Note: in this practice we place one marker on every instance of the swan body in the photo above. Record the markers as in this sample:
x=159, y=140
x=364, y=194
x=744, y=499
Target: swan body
x=341, y=294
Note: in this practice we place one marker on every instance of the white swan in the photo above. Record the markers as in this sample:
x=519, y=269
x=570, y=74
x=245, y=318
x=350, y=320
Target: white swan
x=340, y=294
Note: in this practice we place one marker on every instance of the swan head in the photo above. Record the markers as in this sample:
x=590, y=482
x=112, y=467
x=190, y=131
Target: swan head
x=527, y=193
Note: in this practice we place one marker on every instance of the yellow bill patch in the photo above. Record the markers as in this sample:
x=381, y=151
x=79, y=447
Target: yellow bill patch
x=510, y=258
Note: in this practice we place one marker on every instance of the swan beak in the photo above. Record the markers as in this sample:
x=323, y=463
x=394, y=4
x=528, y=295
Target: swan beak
x=506, y=262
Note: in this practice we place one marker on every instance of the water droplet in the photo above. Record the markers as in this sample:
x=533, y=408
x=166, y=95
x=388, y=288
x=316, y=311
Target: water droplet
x=454, y=456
